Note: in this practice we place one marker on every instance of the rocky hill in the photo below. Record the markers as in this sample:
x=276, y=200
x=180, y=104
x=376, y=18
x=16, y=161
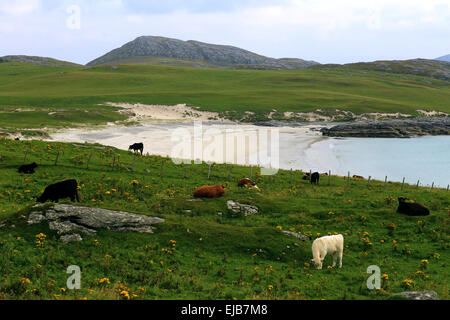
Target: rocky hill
x=444, y=58
x=37, y=60
x=421, y=67
x=211, y=54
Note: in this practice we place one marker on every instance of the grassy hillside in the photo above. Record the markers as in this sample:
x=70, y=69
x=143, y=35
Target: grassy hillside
x=60, y=96
x=421, y=67
x=214, y=256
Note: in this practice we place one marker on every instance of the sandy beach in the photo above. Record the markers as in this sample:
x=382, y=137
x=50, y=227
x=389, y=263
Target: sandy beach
x=138, y=112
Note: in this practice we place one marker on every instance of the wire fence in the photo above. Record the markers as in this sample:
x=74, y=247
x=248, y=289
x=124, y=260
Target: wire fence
x=112, y=159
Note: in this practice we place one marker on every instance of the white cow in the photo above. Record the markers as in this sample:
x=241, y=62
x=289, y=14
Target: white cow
x=329, y=244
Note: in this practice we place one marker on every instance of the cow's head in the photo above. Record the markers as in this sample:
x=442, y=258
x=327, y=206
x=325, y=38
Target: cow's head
x=317, y=263
x=402, y=199
x=42, y=199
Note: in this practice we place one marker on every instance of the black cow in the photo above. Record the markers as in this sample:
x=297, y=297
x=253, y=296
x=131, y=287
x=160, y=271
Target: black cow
x=412, y=208
x=28, y=168
x=315, y=178
x=137, y=147
x=60, y=190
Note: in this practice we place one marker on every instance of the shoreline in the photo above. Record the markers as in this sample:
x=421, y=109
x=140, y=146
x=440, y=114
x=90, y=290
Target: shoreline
x=331, y=123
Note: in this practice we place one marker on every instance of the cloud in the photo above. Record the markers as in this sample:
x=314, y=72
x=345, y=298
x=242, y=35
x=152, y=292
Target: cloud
x=19, y=7
x=322, y=30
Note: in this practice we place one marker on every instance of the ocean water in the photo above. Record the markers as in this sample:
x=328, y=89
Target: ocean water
x=420, y=158
x=423, y=158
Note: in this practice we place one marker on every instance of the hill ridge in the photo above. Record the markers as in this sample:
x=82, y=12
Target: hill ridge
x=193, y=50
x=37, y=60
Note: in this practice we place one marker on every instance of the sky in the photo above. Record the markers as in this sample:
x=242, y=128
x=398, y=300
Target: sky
x=326, y=31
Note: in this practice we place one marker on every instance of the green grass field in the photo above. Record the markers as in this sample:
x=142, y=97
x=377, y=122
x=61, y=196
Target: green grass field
x=66, y=96
x=198, y=253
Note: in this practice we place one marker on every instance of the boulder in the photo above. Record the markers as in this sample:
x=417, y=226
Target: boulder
x=66, y=219
x=296, y=235
x=419, y=295
x=71, y=238
x=245, y=209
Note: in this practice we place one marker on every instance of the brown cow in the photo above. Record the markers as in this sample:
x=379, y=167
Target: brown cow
x=357, y=177
x=246, y=182
x=210, y=191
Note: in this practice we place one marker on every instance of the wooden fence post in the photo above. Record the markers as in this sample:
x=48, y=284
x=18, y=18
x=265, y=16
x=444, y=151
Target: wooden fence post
x=89, y=160
x=348, y=178
x=56, y=159
x=25, y=157
x=114, y=161
x=417, y=186
x=432, y=185
x=290, y=177
x=368, y=181
x=329, y=177
x=184, y=163
x=209, y=170
x=229, y=172
x=403, y=183
x=385, y=181
x=162, y=167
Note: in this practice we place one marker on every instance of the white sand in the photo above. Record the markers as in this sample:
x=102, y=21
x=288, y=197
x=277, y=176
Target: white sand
x=432, y=113
x=162, y=138
x=180, y=112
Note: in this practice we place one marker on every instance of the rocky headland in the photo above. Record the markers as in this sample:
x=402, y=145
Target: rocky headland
x=401, y=128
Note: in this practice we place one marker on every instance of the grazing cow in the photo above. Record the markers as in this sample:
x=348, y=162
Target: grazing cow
x=411, y=208
x=137, y=147
x=60, y=190
x=327, y=245
x=210, y=191
x=357, y=177
x=315, y=178
x=28, y=168
x=17, y=139
x=246, y=182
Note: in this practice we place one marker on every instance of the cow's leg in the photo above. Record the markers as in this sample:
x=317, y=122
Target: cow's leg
x=77, y=196
x=335, y=255
x=340, y=258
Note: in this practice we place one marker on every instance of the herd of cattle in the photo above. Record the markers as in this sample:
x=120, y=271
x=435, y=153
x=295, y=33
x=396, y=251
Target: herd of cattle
x=69, y=189
x=322, y=246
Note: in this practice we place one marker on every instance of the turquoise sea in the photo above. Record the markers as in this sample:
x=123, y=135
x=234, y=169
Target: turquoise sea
x=420, y=158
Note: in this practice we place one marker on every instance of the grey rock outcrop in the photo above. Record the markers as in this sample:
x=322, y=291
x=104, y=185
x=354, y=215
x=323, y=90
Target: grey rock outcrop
x=245, y=209
x=391, y=128
x=71, y=238
x=419, y=295
x=295, y=235
x=67, y=220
